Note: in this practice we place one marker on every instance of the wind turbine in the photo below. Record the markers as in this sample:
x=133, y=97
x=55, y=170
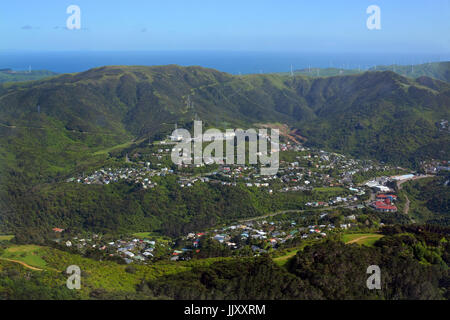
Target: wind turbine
x=188, y=102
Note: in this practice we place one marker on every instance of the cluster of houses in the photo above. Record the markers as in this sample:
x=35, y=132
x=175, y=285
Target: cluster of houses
x=306, y=170
x=351, y=199
x=131, y=250
x=310, y=170
x=262, y=235
x=259, y=235
x=435, y=166
x=139, y=175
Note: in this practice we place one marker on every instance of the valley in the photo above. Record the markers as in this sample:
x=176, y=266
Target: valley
x=87, y=179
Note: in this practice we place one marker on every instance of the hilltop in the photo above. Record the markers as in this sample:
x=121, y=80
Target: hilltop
x=436, y=70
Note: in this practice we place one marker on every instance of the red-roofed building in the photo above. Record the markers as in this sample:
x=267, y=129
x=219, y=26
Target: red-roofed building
x=58, y=230
x=384, y=206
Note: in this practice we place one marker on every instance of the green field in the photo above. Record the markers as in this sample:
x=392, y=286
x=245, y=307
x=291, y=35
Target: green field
x=153, y=236
x=288, y=253
x=114, y=148
x=29, y=254
x=6, y=237
x=281, y=261
x=143, y=235
x=367, y=239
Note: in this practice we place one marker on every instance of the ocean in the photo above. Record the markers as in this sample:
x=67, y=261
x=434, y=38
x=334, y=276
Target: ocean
x=232, y=62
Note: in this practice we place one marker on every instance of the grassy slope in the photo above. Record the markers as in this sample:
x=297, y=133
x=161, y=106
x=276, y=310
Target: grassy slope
x=367, y=239
x=106, y=275
x=30, y=254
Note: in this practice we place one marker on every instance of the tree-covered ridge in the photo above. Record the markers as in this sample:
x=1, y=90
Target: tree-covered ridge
x=413, y=261
x=52, y=129
x=414, y=265
x=49, y=127
x=436, y=70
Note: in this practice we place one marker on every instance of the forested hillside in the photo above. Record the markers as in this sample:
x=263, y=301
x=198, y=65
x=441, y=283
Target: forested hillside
x=50, y=126
x=413, y=261
x=414, y=265
x=53, y=129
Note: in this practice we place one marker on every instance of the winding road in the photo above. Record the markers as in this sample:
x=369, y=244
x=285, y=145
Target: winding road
x=294, y=211
x=399, y=188
x=23, y=264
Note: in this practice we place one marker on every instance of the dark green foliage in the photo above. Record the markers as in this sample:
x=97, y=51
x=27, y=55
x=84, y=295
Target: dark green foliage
x=339, y=271
x=410, y=269
x=19, y=284
x=430, y=199
x=244, y=279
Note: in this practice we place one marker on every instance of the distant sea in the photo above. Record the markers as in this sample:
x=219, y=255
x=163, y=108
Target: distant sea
x=231, y=62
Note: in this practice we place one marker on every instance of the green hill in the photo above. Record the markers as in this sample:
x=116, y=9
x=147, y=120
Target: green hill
x=413, y=260
x=54, y=128
x=380, y=115
x=436, y=70
x=65, y=119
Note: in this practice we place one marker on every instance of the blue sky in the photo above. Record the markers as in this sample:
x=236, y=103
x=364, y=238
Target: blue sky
x=244, y=25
